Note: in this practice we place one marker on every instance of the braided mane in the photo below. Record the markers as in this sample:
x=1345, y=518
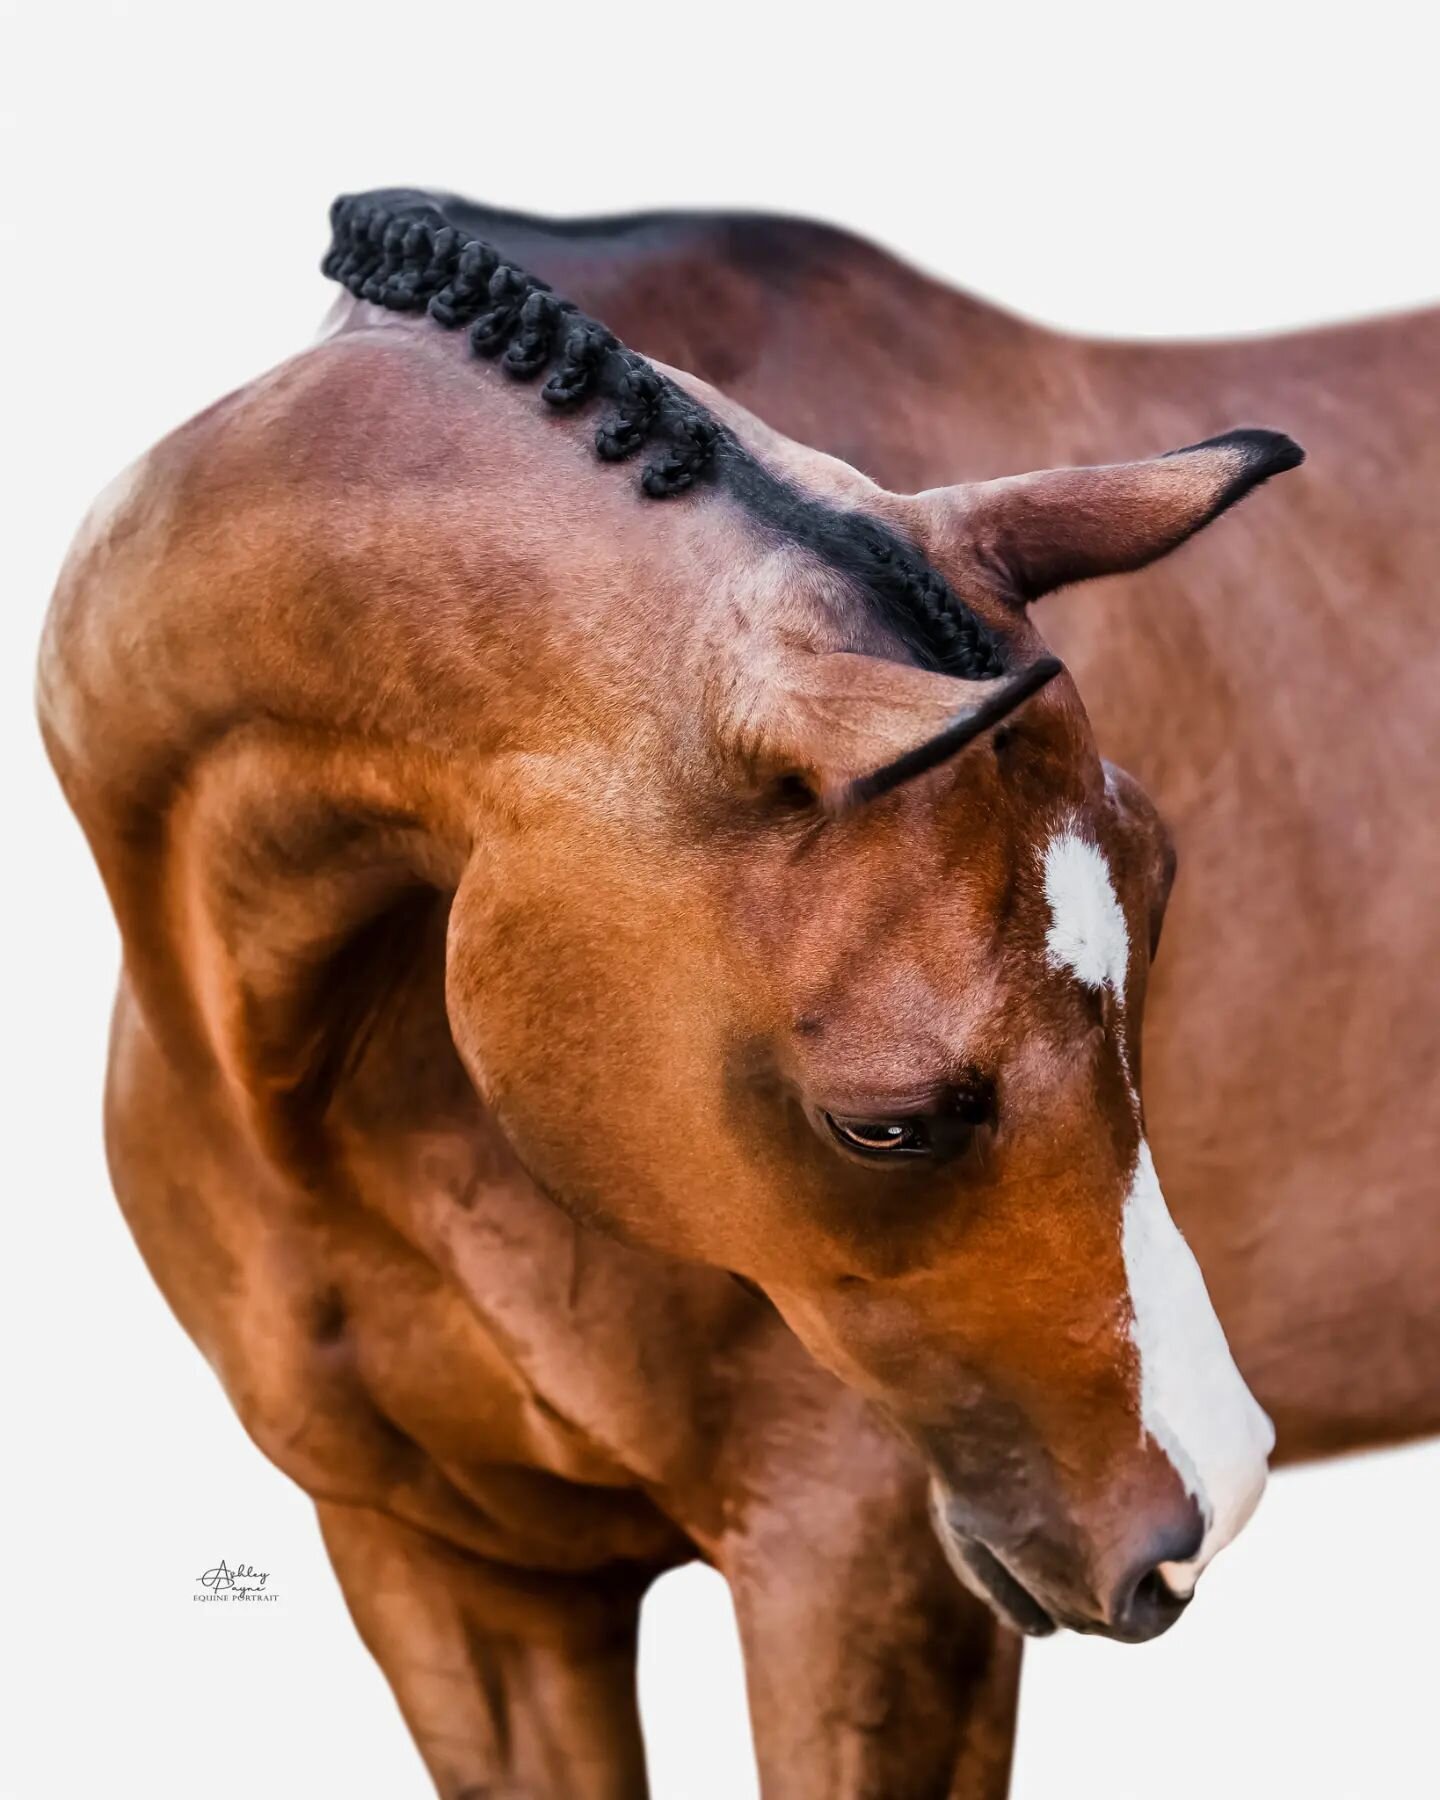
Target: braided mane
x=396, y=248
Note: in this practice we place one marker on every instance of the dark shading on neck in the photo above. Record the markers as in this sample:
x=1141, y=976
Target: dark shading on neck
x=397, y=249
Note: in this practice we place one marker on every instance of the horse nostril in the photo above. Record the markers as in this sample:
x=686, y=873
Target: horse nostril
x=1145, y=1603
x=1151, y=1607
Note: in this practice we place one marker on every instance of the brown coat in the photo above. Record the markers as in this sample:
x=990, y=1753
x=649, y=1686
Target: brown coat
x=480, y=1013
x=1272, y=687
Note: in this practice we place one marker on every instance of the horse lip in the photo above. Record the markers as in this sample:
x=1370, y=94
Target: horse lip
x=1009, y=1597
x=982, y=1572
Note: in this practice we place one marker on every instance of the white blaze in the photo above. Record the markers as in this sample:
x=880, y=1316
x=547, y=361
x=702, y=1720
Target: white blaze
x=1087, y=932
x=1193, y=1400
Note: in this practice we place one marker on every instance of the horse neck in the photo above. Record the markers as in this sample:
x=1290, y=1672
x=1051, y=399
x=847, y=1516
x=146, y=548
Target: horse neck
x=283, y=708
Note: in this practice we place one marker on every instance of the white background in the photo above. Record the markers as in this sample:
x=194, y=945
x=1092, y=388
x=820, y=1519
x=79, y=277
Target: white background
x=166, y=170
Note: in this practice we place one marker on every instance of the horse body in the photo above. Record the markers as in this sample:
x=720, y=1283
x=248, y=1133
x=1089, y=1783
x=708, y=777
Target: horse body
x=1272, y=687
x=510, y=1422
x=509, y=958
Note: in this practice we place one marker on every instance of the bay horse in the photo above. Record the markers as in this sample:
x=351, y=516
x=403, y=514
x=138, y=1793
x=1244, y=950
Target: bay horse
x=1239, y=682
x=628, y=1045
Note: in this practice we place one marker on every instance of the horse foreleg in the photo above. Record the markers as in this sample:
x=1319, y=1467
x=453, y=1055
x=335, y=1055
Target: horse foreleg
x=871, y=1672
x=513, y=1683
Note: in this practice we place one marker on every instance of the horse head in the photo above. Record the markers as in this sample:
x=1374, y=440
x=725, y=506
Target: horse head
x=812, y=943
x=848, y=1001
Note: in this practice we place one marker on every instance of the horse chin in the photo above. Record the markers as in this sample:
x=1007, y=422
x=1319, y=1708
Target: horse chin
x=989, y=1580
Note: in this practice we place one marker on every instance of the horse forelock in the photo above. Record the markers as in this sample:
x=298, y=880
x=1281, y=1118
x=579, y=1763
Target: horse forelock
x=398, y=249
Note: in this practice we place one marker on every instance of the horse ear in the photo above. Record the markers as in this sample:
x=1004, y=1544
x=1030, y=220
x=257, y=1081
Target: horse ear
x=1043, y=531
x=847, y=727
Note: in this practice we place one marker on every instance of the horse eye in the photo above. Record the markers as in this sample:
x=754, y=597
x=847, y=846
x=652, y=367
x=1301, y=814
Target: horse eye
x=882, y=1137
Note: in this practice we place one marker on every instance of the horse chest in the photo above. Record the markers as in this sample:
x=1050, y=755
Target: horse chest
x=358, y=1358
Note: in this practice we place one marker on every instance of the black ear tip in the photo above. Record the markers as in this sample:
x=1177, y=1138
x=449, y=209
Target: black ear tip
x=1265, y=453
x=960, y=732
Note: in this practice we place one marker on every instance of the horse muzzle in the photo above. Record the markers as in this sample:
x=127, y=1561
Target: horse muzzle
x=1132, y=1604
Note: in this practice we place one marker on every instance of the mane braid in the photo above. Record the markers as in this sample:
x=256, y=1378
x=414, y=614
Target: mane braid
x=396, y=248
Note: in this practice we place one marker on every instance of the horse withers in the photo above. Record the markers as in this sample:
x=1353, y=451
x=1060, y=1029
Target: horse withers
x=547, y=896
